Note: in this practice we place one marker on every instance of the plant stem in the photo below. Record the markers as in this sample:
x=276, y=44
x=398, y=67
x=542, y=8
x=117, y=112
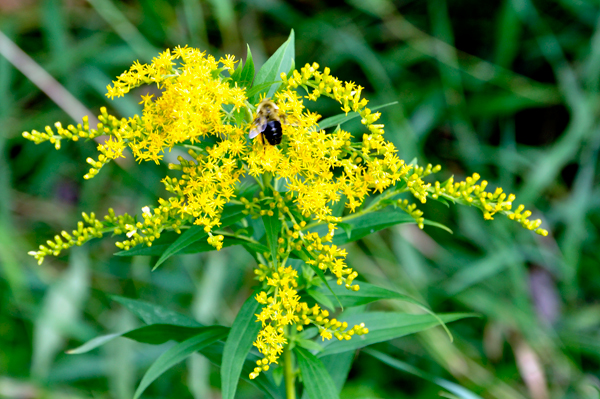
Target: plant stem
x=288, y=371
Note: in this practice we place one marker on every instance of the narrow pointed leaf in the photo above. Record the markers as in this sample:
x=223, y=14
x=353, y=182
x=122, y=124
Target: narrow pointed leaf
x=317, y=381
x=257, y=88
x=235, y=76
x=369, y=293
x=364, y=225
x=243, y=332
x=195, y=248
x=341, y=118
x=93, y=343
x=247, y=74
x=264, y=382
x=180, y=243
x=155, y=314
x=280, y=61
x=366, y=294
x=302, y=255
x=178, y=353
x=324, y=300
x=384, y=326
x=272, y=228
x=338, y=366
x=196, y=233
x=308, y=344
x=154, y=334
x=157, y=334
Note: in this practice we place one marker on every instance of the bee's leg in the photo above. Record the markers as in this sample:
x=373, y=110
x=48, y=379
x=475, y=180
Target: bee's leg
x=262, y=140
x=288, y=121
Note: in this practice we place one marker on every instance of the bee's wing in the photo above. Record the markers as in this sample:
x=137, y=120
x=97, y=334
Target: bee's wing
x=259, y=125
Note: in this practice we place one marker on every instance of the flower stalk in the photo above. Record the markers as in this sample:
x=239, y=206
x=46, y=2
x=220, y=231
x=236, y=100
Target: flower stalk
x=288, y=373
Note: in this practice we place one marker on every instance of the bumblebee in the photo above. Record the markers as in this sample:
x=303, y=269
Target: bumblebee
x=268, y=123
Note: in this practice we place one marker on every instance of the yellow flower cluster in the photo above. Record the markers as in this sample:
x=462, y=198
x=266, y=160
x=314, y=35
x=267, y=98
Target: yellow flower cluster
x=491, y=203
x=198, y=103
x=283, y=307
x=137, y=232
x=300, y=180
x=308, y=155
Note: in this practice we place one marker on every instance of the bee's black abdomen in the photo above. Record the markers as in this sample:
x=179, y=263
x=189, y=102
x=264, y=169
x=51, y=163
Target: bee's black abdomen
x=273, y=132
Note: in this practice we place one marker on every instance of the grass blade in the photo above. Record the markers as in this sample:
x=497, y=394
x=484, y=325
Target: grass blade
x=452, y=387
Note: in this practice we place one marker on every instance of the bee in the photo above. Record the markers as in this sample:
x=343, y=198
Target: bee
x=268, y=122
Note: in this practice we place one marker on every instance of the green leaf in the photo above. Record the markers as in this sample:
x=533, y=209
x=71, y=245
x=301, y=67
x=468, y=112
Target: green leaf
x=235, y=76
x=428, y=222
x=155, y=314
x=324, y=299
x=308, y=344
x=342, y=118
x=366, y=294
x=364, y=225
x=272, y=229
x=317, y=381
x=369, y=293
x=247, y=74
x=93, y=343
x=456, y=389
x=338, y=367
x=154, y=334
x=195, y=248
x=384, y=326
x=254, y=247
x=243, y=332
x=157, y=334
x=178, y=353
x=265, y=382
x=370, y=223
x=303, y=255
x=229, y=216
x=280, y=61
x=250, y=94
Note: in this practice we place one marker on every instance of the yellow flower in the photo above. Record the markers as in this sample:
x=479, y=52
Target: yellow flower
x=300, y=180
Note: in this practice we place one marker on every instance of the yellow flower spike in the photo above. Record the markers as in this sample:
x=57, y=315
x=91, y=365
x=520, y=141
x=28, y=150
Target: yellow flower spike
x=303, y=163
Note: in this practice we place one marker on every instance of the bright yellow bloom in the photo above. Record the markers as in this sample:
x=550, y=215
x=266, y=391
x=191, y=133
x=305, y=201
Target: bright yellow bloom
x=300, y=180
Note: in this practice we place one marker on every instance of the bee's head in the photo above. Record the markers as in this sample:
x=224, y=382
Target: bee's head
x=266, y=106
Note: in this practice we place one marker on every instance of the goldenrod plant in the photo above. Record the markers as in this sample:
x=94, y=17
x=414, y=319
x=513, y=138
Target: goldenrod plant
x=292, y=203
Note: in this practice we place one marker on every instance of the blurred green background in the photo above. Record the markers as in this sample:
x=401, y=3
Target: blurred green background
x=506, y=88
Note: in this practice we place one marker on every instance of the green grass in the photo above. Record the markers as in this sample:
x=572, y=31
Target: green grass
x=507, y=89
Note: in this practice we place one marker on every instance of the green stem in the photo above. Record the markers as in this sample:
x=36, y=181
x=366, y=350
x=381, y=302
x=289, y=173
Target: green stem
x=288, y=371
x=241, y=237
